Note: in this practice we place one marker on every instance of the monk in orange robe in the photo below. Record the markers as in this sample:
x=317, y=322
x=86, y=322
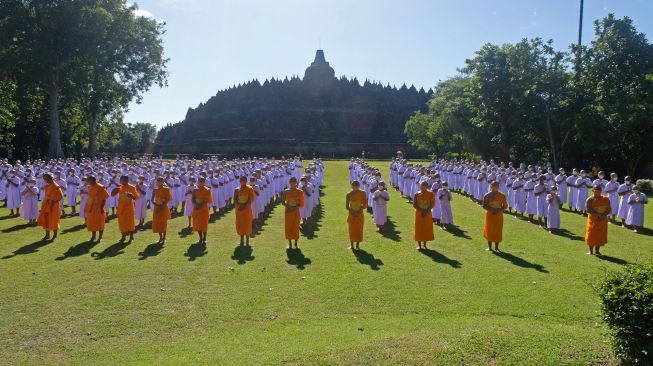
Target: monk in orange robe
x=293, y=200
x=202, y=199
x=95, y=214
x=494, y=202
x=50, y=213
x=244, y=198
x=356, y=205
x=423, y=202
x=596, y=230
x=127, y=194
x=161, y=214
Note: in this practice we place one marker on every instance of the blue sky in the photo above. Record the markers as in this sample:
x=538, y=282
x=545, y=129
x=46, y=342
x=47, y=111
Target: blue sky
x=213, y=44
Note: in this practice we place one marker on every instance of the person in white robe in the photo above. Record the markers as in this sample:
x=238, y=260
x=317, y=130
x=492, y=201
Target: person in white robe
x=380, y=199
x=583, y=185
x=624, y=191
x=30, y=203
x=561, y=182
x=72, y=187
x=553, y=210
x=443, y=196
x=610, y=190
x=83, y=199
x=531, y=199
x=13, y=193
x=188, y=200
x=540, y=191
x=141, y=202
x=635, y=216
x=573, y=189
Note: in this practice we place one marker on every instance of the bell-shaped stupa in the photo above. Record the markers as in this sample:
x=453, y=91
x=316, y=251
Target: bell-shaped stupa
x=319, y=77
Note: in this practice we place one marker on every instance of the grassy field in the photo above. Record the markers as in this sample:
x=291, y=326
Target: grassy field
x=72, y=302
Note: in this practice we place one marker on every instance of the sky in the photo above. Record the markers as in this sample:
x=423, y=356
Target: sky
x=215, y=44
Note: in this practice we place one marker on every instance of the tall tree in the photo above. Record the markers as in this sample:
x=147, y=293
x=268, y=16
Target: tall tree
x=45, y=38
x=97, y=52
x=125, y=59
x=615, y=127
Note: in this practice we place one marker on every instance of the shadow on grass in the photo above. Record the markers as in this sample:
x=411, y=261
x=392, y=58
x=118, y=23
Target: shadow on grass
x=296, y=258
x=8, y=217
x=73, y=229
x=309, y=230
x=646, y=231
x=78, y=250
x=568, y=234
x=520, y=262
x=457, y=231
x=243, y=254
x=28, y=249
x=185, y=232
x=151, y=250
x=368, y=259
x=614, y=260
x=215, y=216
x=257, y=226
x=16, y=228
x=440, y=258
x=390, y=230
x=146, y=227
x=112, y=251
x=195, y=251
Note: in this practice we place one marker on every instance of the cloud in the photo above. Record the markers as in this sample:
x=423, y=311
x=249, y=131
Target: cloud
x=143, y=13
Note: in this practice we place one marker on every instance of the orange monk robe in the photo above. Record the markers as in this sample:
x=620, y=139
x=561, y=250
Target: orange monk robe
x=357, y=200
x=294, y=198
x=493, y=227
x=126, y=209
x=596, y=231
x=50, y=214
x=203, y=197
x=244, y=217
x=95, y=214
x=423, y=230
x=161, y=214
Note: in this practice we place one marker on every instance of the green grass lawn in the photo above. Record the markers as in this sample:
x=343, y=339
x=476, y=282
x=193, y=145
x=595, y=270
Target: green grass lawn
x=69, y=302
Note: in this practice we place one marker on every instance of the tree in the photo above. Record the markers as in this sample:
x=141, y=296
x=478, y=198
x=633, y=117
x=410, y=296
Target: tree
x=8, y=113
x=613, y=127
x=518, y=98
x=125, y=58
x=45, y=39
x=445, y=128
x=94, y=55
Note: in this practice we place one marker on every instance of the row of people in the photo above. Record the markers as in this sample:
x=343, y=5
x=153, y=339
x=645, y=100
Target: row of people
x=528, y=189
x=208, y=184
x=222, y=178
x=545, y=201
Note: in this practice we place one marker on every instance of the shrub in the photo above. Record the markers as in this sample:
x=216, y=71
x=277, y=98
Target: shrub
x=645, y=185
x=627, y=307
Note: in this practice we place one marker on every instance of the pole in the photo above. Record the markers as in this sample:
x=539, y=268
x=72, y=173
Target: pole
x=580, y=25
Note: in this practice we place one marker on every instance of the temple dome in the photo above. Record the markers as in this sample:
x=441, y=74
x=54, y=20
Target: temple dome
x=319, y=76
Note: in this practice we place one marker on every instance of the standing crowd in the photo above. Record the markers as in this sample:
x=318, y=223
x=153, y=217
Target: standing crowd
x=42, y=191
x=534, y=191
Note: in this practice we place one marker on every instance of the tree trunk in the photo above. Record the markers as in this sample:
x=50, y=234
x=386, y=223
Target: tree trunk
x=92, y=134
x=551, y=140
x=54, y=148
x=504, y=146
